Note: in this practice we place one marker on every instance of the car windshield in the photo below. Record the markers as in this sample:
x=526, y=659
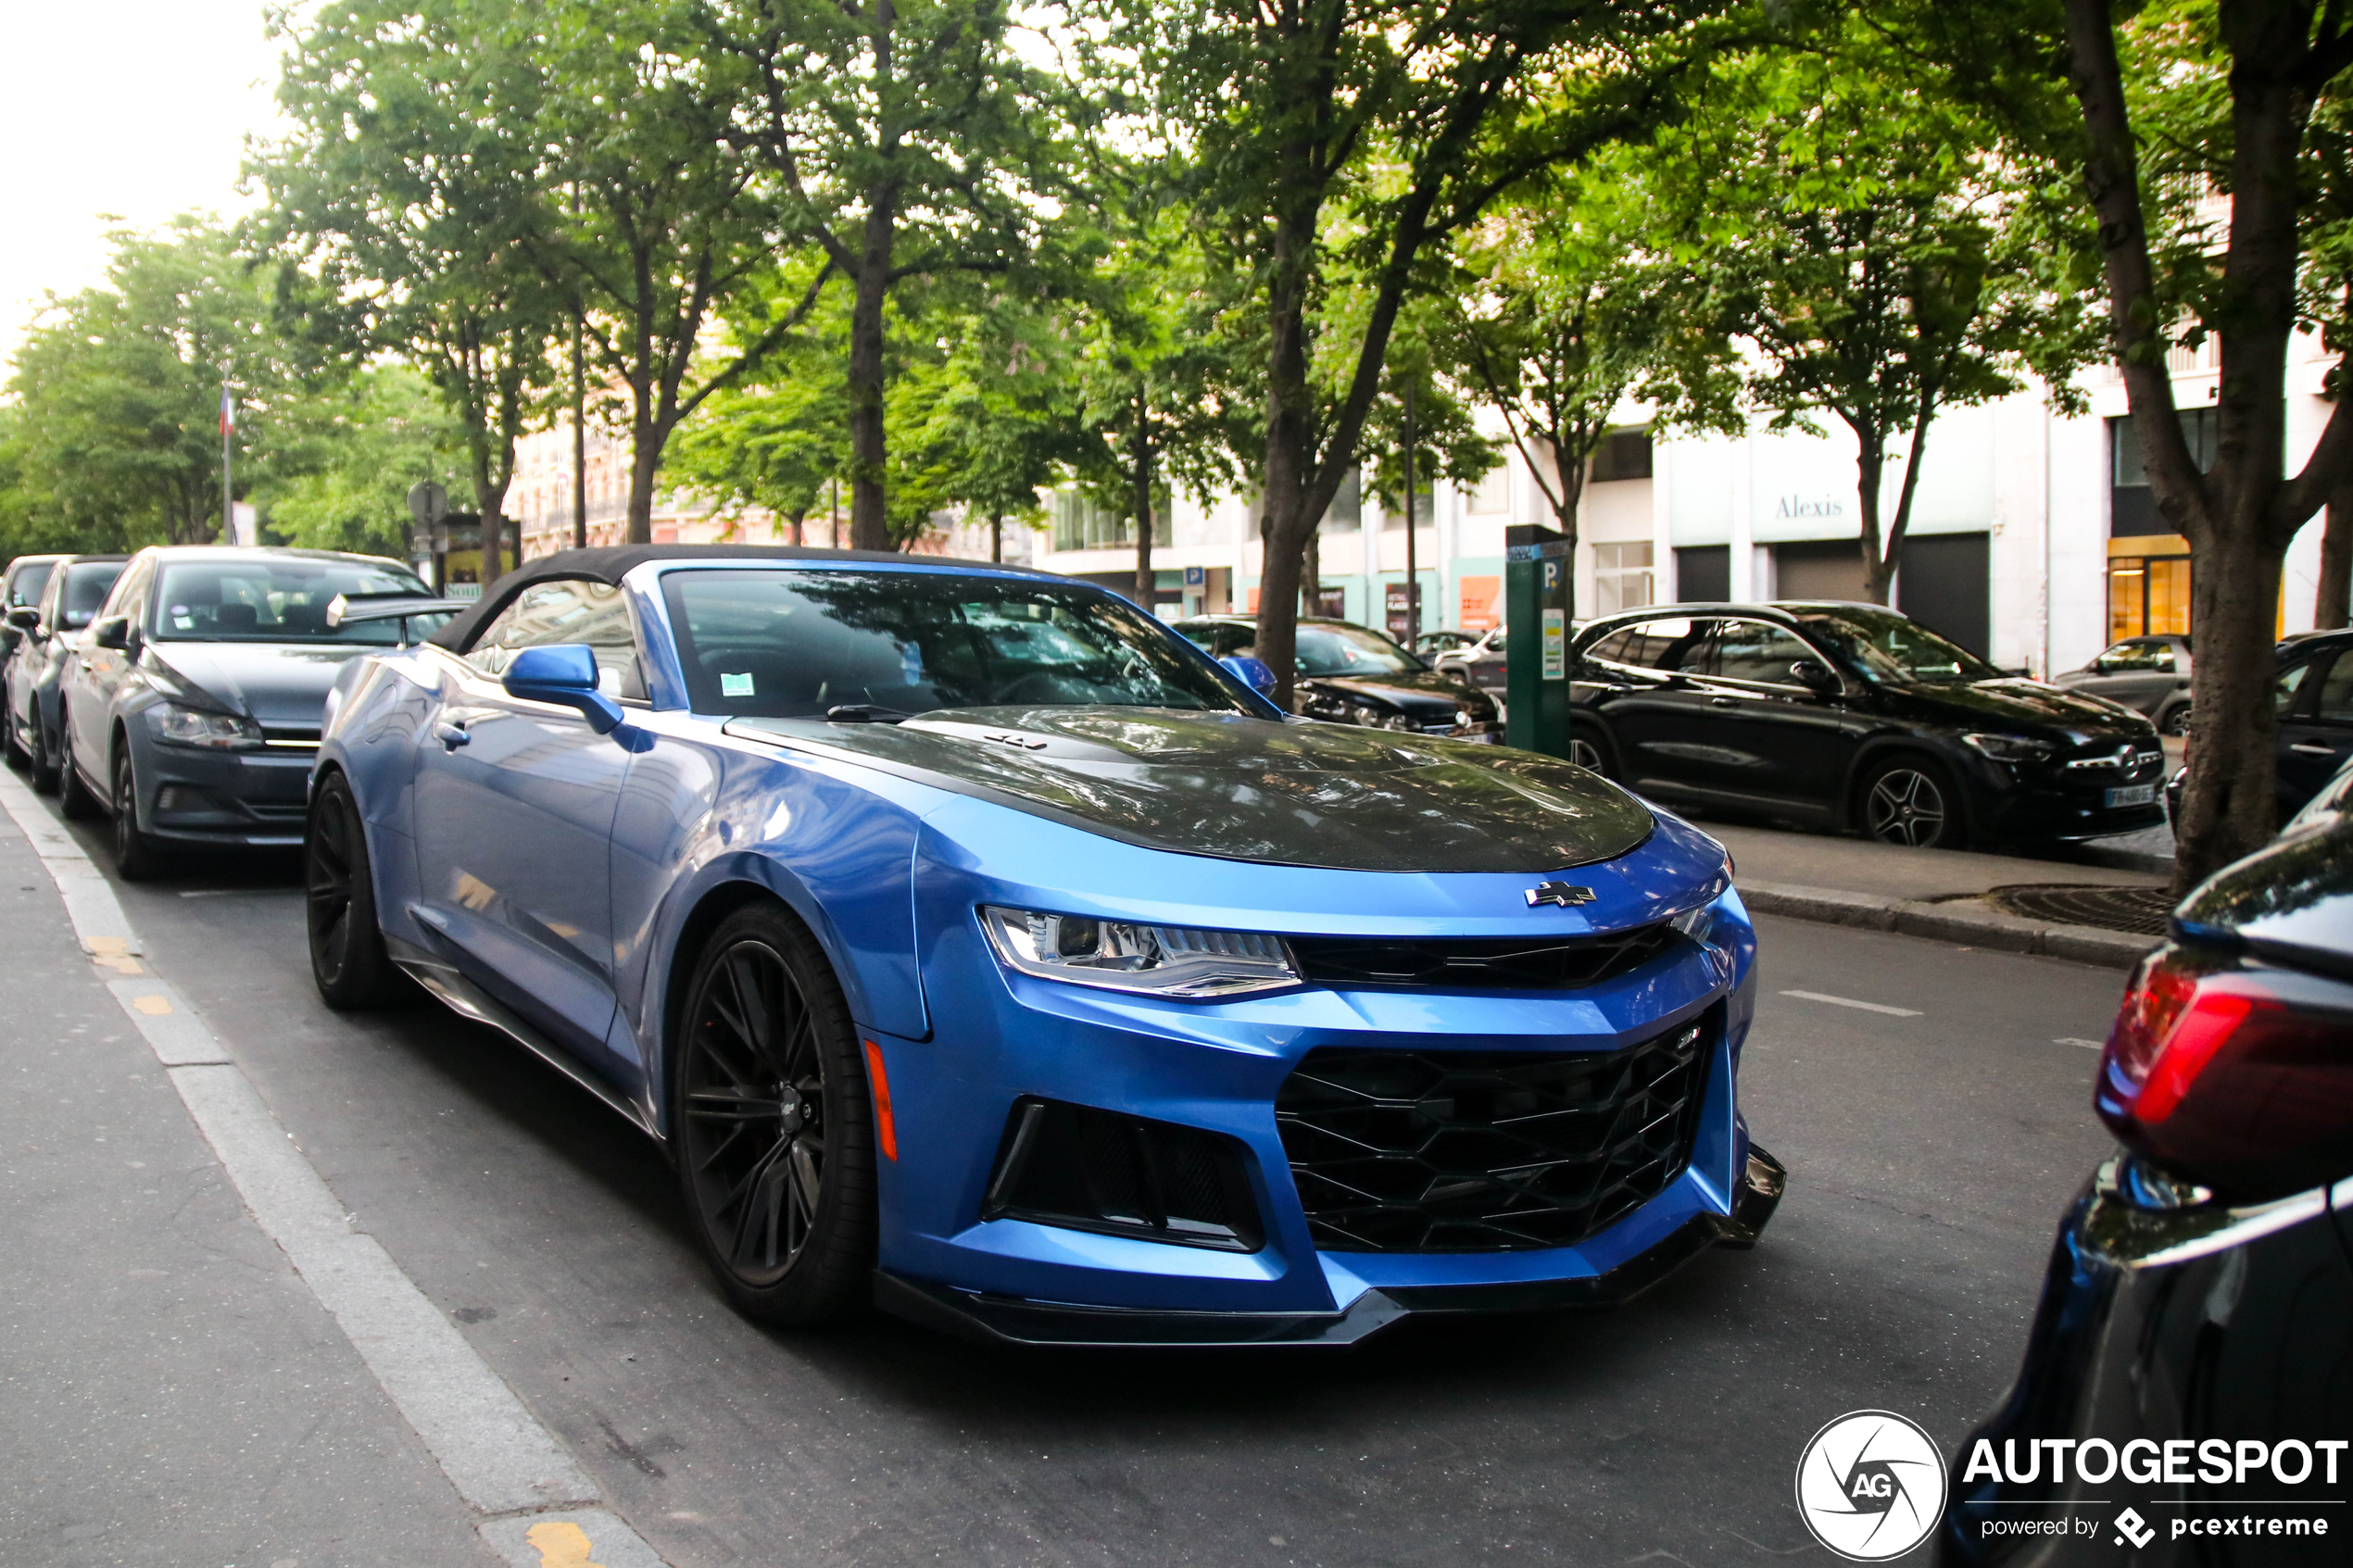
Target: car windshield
x=1886, y=647
x=26, y=589
x=276, y=599
x=1351, y=650
x=791, y=645
x=85, y=588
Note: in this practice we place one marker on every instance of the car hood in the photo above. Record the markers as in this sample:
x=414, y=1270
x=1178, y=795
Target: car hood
x=2028, y=705
x=279, y=685
x=1235, y=787
x=1420, y=689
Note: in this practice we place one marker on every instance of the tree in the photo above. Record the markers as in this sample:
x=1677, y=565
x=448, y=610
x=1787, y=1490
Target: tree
x=410, y=202
x=1866, y=247
x=119, y=390
x=912, y=141
x=1337, y=141
x=1567, y=305
x=365, y=443
x=2163, y=117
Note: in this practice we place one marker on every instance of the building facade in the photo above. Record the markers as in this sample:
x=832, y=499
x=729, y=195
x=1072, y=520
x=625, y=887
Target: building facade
x=2033, y=539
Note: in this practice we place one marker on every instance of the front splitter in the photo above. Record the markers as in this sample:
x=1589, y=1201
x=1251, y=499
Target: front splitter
x=992, y=1319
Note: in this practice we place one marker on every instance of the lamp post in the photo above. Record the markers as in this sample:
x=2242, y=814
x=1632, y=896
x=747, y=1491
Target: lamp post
x=1413, y=584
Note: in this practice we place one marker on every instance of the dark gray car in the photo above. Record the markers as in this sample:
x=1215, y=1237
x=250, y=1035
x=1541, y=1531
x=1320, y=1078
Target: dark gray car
x=2150, y=676
x=192, y=711
x=46, y=633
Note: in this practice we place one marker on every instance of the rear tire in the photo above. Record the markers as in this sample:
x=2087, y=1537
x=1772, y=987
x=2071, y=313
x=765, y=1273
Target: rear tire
x=17, y=756
x=349, y=963
x=1912, y=802
x=136, y=856
x=772, y=1124
x=1589, y=749
x=75, y=802
x=2174, y=721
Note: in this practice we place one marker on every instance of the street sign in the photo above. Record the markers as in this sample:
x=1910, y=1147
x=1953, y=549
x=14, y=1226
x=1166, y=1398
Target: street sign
x=1196, y=576
x=428, y=502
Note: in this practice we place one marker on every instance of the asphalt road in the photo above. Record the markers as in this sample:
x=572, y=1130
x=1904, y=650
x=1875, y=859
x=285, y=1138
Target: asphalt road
x=1929, y=1155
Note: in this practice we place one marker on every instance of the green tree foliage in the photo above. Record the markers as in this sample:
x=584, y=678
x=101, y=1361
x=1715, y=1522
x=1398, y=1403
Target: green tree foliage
x=364, y=442
x=116, y=431
x=1868, y=249
x=909, y=141
x=1339, y=142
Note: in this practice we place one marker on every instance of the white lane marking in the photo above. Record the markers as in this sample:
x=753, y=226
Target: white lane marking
x=2087, y=1045
x=502, y=1462
x=98, y=920
x=1851, y=1002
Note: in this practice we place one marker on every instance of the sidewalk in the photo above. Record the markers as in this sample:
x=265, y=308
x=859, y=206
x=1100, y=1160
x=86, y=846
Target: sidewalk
x=1933, y=893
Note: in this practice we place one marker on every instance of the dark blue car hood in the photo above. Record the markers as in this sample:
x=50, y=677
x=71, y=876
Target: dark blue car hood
x=279, y=685
x=1330, y=795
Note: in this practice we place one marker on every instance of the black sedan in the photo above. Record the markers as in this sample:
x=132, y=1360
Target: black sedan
x=2313, y=694
x=1351, y=674
x=2188, y=1382
x=1851, y=715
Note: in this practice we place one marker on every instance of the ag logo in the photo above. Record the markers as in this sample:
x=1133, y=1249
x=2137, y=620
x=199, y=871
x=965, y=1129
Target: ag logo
x=1870, y=1486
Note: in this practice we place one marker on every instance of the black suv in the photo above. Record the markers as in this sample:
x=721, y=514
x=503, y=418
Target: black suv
x=1351, y=674
x=1851, y=715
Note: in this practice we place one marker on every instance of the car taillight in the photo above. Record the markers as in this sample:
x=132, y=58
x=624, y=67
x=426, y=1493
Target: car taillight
x=2211, y=1070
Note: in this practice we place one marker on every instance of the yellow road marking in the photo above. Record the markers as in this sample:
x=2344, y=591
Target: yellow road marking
x=121, y=963
x=561, y=1544
x=154, y=1007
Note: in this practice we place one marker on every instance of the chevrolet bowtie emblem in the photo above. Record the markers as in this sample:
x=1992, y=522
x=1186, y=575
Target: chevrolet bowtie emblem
x=1561, y=892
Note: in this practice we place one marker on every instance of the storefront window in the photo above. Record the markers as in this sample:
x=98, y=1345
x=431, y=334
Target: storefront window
x=1622, y=577
x=2147, y=596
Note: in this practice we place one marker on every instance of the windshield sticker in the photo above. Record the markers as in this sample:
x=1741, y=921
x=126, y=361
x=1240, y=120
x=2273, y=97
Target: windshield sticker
x=183, y=623
x=732, y=685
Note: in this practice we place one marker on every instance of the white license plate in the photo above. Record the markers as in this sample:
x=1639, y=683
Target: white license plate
x=2132, y=795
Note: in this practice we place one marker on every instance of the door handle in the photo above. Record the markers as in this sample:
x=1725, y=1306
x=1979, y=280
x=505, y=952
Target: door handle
x=1723, y=702
x=2310, y=750
x=451, y=736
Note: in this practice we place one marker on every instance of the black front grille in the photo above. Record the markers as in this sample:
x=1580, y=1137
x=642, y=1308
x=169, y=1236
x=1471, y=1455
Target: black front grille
x=1487, y=1151
x=1544, y=963
x=1084, y=1169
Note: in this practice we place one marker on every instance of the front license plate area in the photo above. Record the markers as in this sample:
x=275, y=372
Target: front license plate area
x=2132, y=795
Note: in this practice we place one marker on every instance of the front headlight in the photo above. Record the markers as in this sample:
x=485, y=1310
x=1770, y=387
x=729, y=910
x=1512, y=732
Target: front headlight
x=1164, y=960
x=2010, y=748
x=195, y=726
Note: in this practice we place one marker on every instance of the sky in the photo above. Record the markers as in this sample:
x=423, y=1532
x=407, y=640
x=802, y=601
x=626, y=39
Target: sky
x=138, y=108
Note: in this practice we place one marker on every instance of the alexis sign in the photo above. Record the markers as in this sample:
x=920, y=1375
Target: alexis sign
x=1793, y=507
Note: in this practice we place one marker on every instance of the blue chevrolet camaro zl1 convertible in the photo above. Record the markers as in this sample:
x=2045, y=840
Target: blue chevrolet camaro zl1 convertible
x=978, y=947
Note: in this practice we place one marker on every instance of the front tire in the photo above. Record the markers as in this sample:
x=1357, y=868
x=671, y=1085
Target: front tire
x=1911, y=801
x=1590, y=750
x=136, y=858
x=773, y=1124
x=347, y=959
x=2175, y=720
x=17, y=756
x=43, y=767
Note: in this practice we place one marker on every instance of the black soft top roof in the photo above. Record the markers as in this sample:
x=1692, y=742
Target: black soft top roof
x=610, y=563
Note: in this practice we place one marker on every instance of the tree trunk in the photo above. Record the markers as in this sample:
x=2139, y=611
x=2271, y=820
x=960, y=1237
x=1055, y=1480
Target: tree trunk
x=1878, y=567
x=1571, y=472
x=579, y=441
x=1311, y=571
x=644, y=453
x=2330, y=608
x=2229, y=802
x=1140, y=457
x=997, y=537
x=794, y=519
x=869, y=453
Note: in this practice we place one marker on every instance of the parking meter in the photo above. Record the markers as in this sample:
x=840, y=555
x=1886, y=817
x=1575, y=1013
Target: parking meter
x=1537, y=563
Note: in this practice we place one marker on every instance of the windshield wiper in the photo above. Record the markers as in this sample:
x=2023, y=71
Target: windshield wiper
x=864, y=713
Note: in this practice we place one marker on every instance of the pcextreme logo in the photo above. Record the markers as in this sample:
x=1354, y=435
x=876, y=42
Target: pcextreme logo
x=1870, y=1486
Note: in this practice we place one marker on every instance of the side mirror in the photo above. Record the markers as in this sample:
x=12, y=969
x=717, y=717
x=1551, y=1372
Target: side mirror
x=1255, y=674
x=564, y=674
x=114, y=632
x=25, y=618
x=1820, y=678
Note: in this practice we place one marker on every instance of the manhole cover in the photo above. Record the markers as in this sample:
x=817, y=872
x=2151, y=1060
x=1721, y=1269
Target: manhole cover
x=2140, y=910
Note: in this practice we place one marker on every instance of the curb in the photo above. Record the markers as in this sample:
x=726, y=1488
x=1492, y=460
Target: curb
x=1970, y=926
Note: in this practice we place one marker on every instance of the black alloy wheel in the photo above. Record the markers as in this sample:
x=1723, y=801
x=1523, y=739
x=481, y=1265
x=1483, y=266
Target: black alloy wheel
x=2175, y=722
x=1911, y=802
x=771, y=1113
x=136, y=856
x=1589, y=751
x=75, y=801
x=349, y=963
